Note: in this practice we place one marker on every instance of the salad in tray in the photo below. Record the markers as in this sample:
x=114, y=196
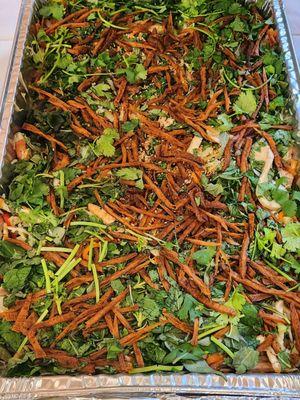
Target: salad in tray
x=150, y=221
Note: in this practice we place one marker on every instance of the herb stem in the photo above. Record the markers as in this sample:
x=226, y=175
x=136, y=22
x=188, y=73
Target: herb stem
x=68, y=269
x=103, y=252
x=294, y=288
x=91, y=250
x=109, y=24
x=96, y=281
x=62, y=184
x=88, y=223
x=209, y=331
x=47, y=277
x=153, y=368
x=222, y=346
x=68, y=260
x=56, y=249
x=282, y=273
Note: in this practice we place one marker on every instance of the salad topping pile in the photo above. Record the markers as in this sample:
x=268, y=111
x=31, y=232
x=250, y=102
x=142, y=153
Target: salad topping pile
x=150, y=221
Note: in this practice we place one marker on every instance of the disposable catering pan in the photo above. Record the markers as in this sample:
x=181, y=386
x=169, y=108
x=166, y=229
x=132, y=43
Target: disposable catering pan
x=163, y=386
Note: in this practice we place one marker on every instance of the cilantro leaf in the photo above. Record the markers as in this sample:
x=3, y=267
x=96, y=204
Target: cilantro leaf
x=293, y=263
x=265, y=240
x=284, y=359
x=279, y=195
x=10, y=251
x=246, y=103
x=117, y=286
x=226, y=123
x=186, y=307
x=101, y=89
x=277, y=102
x=237, y=300
x=296, y=195
x=291, y=236
x=28, y=187
x=277, y=251
x=204, y=256
x=209, y=49
x=201, y=367
x=104, y=145
x=64, y=61
x=193, y=59
x=191, y=8
x=244, y=359
x=235, y=8
x=212, y=188
x=132, y=174
x=238, y=25
x=282, y=197
x=289, y=208
x=15, y=279
x=150, y=309
x=141, y=72
x=134, y=73
x=53, y=9
x=250, y=316
x=11, y=339
x=113, y=348
x=130, y=125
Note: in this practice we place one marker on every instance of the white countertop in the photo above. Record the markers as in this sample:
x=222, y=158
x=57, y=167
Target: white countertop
x=9, y=10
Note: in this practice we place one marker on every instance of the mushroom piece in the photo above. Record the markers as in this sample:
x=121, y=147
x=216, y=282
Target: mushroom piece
x=3, y=293
x=266, y=156
x=165, y=122
x=20, y=146
x=289, y=177
x=271, y=355
x=282, y=329
x=3, y=205
x=213, y=133
x=101, y=214
x=195, y=144
x=291, y=161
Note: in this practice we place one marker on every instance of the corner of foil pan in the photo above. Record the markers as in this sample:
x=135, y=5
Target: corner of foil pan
x=292, y=64
x=148, y=387
x=7, y=100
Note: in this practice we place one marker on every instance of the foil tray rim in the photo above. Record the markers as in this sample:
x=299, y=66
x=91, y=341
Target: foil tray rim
x=153, y=385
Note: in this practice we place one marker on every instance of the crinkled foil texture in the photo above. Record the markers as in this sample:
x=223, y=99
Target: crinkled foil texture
x=140, y=387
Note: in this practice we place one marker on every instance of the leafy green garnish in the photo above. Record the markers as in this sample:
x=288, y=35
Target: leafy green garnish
x=53, y=9
x=10, y=251
x=150, y=309
x=134, y=73
x=238, y=25
x=281, y=196
x=212, y=188
x=130, y=125
x=245, y=359
x=132, y=174
x=104, y=145
x=205, y=255
x=101, y=90
x=226, y=122
x=201, y=367
x=284, y=359
x=291, y=236
x=246, y=103
x=9, y=337
x=15, y=279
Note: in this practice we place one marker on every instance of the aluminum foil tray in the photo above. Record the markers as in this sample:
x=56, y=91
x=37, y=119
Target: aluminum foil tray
x=139, y=387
